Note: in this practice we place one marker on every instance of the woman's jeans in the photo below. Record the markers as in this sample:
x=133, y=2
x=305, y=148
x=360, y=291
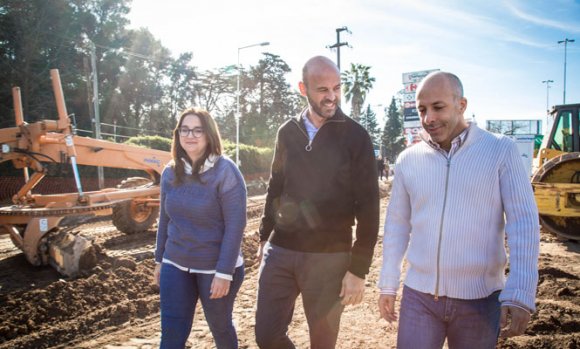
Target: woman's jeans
x=466, y=323
x=179, y=292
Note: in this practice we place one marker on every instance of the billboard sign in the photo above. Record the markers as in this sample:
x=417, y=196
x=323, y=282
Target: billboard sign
x=525, y=145
x=412, y=124
x=409, y=97
x=412, y=87
x=416, y=77
x=410, y=112
x=412, y=117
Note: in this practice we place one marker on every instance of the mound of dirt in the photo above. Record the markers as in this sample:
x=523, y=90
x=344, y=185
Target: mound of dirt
x=115, y=292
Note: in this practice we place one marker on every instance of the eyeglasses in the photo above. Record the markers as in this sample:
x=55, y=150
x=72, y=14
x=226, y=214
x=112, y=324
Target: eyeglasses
x=196, y=132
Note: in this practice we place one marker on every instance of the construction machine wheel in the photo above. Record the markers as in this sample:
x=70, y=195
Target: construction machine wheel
x=131, y=217
x=562, y=215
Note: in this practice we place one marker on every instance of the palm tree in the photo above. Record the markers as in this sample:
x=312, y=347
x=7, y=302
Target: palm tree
x=357, y=82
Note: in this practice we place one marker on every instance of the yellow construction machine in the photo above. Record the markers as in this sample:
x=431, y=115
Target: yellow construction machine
x=33, y=220
x=556, y=181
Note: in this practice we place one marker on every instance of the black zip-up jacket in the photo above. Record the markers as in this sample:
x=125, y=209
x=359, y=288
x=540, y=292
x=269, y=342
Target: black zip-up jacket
x=317, y=189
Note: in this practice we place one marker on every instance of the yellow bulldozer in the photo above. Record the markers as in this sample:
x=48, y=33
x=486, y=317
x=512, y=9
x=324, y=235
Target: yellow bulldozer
x=556, y=181
x=32, y=221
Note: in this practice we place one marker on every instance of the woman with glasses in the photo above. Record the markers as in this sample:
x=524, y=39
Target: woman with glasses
x=201, y=224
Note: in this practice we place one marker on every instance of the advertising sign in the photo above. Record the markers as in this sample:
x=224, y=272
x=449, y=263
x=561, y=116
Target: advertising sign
x=407, y=118
x=525, y=146
x=412, y=124
x=417, y=76
x=409, y=105
x=410, y=87
x=409, y=97
x=410, y=112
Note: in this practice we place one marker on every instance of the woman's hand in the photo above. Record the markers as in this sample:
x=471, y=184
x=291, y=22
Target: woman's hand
x=219, y=288
x=156, y=273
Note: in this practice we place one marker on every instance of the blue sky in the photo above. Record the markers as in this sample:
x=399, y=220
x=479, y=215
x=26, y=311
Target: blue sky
x=502, y=50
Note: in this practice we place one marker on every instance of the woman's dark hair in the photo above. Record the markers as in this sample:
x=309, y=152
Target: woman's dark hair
x=214, y=144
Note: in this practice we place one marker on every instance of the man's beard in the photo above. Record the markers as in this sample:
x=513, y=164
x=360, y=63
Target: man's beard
x=318, y=108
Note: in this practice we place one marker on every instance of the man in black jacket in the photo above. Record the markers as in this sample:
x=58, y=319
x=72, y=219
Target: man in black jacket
x=323, y=178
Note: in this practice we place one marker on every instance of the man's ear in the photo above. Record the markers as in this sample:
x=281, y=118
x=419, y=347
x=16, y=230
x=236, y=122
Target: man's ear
x=302, y=88
x=463, y=104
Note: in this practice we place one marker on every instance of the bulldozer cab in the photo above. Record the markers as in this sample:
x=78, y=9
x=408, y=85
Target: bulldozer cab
x=556, y=181
x=564, y=135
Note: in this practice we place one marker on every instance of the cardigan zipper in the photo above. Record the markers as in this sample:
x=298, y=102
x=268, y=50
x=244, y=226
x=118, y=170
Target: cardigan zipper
x=441, y=231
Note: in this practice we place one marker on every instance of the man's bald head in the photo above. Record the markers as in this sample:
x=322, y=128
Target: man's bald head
x=318, y=65
x=450, y=79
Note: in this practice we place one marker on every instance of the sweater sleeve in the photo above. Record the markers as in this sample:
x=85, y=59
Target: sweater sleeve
x=232, y=196
x=522, y=230
x=367, y=207
x=163, y=218
x=396, y=234
x=275, y=187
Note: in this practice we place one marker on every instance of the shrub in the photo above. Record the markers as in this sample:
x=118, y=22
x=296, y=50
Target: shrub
x=253, y=159
x=153, y=142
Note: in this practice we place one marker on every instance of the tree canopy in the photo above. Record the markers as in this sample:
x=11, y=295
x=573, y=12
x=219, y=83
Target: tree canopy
x=142, y=85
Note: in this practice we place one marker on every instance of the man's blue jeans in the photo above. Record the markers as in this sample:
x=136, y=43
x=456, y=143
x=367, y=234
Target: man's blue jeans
x=284, y=274
x=424, y=322
x=179, y=292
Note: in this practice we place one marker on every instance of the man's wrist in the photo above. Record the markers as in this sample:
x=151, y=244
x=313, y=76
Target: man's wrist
x=388, y=291
x=515, y=304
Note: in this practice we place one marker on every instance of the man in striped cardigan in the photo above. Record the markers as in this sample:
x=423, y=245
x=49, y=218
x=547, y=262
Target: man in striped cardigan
x=456, y=196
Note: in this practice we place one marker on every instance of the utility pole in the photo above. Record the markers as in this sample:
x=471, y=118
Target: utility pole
x=565, y=42
x=338, y=44
x=100, y=172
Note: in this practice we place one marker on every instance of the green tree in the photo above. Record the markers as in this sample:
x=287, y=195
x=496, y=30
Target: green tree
x=266, y=101
x=357, y=82
x=217, y=93
x=369, y=122
x=216, y=90
x=393, y=141
x=36, y=36
x=182, y=88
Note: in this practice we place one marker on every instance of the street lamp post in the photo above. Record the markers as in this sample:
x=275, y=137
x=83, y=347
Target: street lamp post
x=565, y=42
x=547, y=82
x=238, y=113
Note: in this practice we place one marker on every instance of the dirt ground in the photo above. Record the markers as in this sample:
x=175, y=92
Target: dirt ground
x=116, y=306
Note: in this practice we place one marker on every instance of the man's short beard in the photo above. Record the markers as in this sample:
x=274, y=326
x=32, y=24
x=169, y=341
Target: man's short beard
x=318, y=110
